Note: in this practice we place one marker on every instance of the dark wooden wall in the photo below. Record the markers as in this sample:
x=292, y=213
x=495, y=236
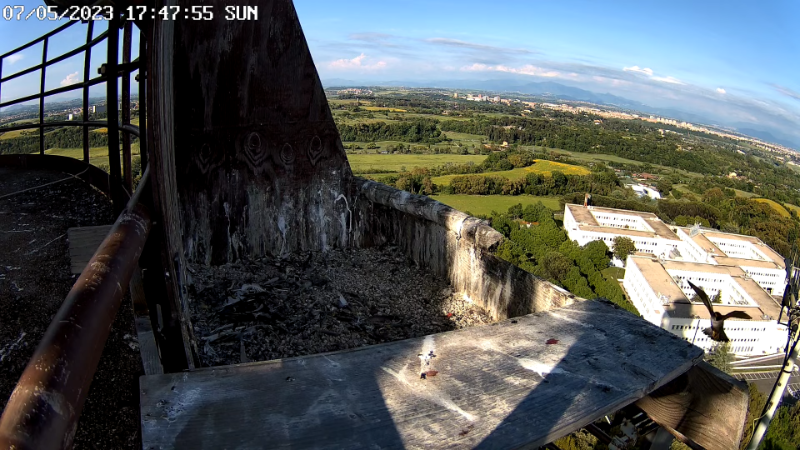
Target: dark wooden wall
x=260, y=169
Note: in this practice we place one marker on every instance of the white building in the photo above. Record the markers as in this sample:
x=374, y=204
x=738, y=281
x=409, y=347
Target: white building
x=658, y=289
x=645, y=191
x=759, y=260
x=585, y=224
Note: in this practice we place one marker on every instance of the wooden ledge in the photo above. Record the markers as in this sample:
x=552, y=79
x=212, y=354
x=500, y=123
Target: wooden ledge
x=521, y=382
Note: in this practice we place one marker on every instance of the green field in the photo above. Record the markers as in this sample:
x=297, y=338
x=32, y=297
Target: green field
x=485, y=204
x=395, y=163
x=97, y=155
x=614, y=273
x=541, y=167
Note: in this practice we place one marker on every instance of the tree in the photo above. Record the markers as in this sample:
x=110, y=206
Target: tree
x=597, y=252
x=754, y=408
x=623, y=246
x=720, y=357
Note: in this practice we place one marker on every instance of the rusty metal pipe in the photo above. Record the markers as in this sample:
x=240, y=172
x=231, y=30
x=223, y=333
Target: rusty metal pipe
x=44, y=408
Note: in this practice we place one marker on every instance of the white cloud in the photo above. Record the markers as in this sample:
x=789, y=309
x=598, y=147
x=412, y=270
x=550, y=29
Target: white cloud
x=14, y=58
x=524, y=70
x=650, y=74
x=721, y=91
x=637, y=69
x=356, y=63
x=670, y=80
x=70, y=79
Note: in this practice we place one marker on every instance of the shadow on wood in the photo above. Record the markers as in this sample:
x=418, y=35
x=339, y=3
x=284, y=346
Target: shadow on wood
x=704, y=407
x=505, y=385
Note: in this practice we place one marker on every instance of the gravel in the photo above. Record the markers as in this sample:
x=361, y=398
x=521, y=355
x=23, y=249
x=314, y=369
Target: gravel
x=35, y=278
x=319, y=302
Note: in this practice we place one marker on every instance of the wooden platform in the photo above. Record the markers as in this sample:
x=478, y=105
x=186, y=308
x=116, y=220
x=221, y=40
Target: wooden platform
x=83, y=242
x=520, y=382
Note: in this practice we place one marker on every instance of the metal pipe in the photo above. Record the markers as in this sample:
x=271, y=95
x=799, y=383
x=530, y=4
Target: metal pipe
x=55, y=91
x=44, y=408
x=777, y=393
x=132, y=129
x=112, y=109
x=127, y=158
x=41, y=99
x=39, y=39
x=142, y=99
x=87, y=64
x=88, y=46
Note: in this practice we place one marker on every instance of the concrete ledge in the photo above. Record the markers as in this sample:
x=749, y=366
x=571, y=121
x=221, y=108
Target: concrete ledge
x=452, y=245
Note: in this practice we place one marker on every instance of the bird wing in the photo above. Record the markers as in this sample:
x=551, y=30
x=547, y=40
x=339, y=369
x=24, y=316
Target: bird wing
x=736, y=315
x=703, y=296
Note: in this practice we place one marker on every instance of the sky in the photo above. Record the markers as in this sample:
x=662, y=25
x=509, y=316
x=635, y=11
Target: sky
x=732, y=61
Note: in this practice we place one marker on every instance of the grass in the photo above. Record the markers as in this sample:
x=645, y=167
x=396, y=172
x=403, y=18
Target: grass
x=361, y=163
x=613, y=273
x=381, y=108
x=16, y=133
x=485, y=204
x=541, y=167
x=97, y=155
x=775, y=205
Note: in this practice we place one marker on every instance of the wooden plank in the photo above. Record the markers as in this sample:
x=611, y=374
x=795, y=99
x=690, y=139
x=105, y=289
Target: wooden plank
x=161, y=147
x=83, y=242
x=704, y=406
x=521, y=382
x=148, y=349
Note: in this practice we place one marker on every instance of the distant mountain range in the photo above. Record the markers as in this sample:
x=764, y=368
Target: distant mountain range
x=549, y=89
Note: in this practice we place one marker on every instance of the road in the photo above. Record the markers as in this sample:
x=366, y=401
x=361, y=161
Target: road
x=765, y=380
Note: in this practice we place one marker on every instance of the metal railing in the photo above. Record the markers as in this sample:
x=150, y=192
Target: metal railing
x=120, y=169
x=44, y=409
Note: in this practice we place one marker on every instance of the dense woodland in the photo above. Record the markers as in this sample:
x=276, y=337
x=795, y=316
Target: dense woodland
x=544, y=249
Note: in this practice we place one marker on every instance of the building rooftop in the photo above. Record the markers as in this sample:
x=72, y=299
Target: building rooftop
x=703, y=239
x=657, y=276
x=587, y=222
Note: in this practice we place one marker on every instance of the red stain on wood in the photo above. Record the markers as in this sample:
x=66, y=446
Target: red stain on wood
x=552, y=341
x=432, y=373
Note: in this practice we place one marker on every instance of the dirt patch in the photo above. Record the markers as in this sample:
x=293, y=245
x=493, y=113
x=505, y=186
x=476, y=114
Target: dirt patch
x=35, y=278
x=314, y=303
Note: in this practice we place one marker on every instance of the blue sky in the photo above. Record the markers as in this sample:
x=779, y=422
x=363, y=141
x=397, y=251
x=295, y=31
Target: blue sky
x=15, y=33
x=730, y=61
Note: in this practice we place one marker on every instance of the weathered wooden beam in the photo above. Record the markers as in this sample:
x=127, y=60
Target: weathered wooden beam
x=704, y=408
x=166, y=238
x=522, y=382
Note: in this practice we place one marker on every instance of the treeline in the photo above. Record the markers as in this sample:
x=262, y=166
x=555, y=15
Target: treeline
x=65, y=137
x=420, y=130
x=647, y=146
x=545, y=250
x=557, y=183
x=642, y=141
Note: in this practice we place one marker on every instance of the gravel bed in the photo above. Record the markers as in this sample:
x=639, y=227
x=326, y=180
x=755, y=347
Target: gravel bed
x=319, y=302
x=34, y=280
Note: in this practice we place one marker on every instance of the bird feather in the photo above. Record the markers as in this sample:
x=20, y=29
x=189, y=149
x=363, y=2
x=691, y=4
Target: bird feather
x=703, y=296
x=736, y=315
